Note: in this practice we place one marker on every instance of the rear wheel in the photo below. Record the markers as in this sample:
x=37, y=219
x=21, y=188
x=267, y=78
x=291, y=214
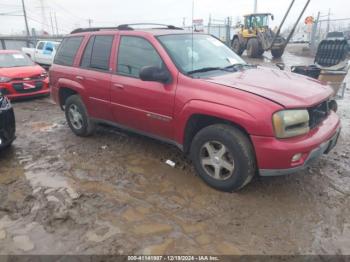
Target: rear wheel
x=237, y=47
x=277, y=53
x=77, y=117
x=223, y=157
x=253, y=48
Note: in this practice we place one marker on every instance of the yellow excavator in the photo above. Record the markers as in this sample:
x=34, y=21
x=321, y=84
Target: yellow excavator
x=256, y=36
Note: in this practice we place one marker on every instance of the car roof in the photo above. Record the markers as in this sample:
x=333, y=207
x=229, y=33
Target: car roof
x=153, y=32
x=158, y=29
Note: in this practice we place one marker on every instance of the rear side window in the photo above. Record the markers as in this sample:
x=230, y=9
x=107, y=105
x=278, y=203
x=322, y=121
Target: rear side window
x=135, y=53
x=97, y=53
x=67, y=51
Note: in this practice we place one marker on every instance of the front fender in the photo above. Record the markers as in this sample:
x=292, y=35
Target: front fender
x=199, y=107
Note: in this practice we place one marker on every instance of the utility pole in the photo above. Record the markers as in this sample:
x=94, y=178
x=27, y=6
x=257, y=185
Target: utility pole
x=329, y=20
x=25, y=18
x=52, y=28
x=57, y=33
x=314, y=32
x=90, y=22
x=44, y=22
x=255, y=6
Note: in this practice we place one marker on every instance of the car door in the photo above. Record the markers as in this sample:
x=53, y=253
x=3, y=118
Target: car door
x=144, y=106
x=38, y=52
x=95, y=75
x=46, y=56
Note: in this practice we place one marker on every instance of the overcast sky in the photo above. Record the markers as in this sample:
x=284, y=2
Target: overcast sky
x=75, y=13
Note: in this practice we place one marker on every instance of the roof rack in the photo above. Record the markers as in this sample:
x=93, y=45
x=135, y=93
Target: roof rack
x=92, y=29
x=125, y=27
x=158, y=26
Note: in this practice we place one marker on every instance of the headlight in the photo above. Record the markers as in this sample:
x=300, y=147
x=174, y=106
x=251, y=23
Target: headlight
x=4, y=79
x=291, y=123
x=5, y=104
x=44, y=74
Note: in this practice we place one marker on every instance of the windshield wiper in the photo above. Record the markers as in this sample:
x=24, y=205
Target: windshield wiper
x=204, y=69
x=226, y=68
x=238, y=65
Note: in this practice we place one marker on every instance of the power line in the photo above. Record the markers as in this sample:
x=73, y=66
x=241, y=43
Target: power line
x=25, y=18
x=37, y=21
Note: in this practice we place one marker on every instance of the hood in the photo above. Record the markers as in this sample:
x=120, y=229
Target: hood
x=287, y=89
x=21, y=72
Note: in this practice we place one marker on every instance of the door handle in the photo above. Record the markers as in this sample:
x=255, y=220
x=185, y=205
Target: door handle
x=120, y=86
x=79, y=77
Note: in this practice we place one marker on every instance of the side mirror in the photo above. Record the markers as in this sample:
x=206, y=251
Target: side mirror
x=281, y=66
x=272, y=17
x=154, y=73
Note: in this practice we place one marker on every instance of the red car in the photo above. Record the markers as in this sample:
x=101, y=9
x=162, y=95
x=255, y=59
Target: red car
x=233, y=119
x=20, y=77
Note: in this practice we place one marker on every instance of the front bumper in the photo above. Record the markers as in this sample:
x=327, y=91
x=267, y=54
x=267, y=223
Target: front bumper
x=274, y=156
x=7, y=127
x=9, y=90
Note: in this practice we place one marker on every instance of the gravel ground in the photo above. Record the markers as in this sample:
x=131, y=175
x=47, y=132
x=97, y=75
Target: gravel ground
x=114, y=194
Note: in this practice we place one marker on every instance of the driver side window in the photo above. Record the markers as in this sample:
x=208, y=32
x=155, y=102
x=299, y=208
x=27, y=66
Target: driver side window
x=135, y=53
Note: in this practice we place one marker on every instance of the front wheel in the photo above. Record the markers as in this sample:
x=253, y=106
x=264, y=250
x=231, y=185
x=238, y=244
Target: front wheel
x=253, y=48
x=277, y=53
x=77, y=117
x=223, y=157
x=237, y=47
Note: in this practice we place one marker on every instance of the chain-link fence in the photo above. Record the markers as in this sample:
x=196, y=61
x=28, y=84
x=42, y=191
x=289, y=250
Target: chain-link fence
x=322, y=27
x=220, y=28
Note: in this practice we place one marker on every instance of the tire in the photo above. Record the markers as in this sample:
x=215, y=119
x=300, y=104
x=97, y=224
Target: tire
x=77, y=117
x=239, y=152
x=5, y=148
x=253, y=48
x=237, y=47
x=277, y=53
x=261, y=51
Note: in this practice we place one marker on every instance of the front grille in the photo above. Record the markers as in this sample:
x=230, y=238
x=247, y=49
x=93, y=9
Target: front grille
x=318, y=113
x=21, y=87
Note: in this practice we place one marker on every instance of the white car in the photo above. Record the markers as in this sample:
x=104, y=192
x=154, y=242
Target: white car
x=43, y=53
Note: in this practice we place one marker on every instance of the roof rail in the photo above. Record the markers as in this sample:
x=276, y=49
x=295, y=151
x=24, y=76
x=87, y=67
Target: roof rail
x=158, y=26
x=92, y=29
x=125, y=27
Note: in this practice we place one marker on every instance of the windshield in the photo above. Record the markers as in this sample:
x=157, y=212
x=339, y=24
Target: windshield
x=195, y=52
x=15, y=60
x=257, y=21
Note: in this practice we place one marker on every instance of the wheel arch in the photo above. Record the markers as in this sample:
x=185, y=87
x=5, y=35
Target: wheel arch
x=197, y=122
x=197, y=114
x=67, y=88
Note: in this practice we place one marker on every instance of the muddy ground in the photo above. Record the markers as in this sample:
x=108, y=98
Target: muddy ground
x=114, y=194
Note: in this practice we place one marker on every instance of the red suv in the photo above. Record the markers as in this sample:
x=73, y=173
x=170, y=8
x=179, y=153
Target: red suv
x=234, y=120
